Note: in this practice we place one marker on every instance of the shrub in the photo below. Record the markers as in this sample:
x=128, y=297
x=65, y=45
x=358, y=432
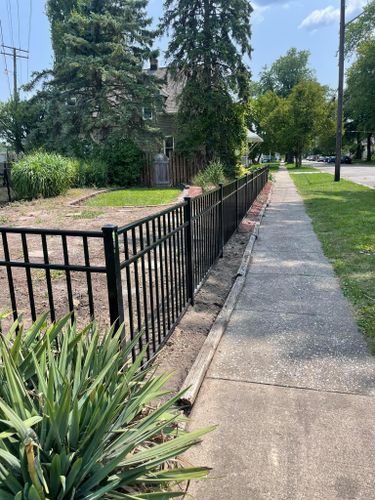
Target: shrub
x=79, y=421
x=241, y=170
x=91, y=173
x=42, y=175
x=211, y=176
x=125, y=162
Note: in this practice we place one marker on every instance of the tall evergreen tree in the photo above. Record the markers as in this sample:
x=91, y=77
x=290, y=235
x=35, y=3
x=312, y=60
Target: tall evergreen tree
x=208, y=42
x=97, y=87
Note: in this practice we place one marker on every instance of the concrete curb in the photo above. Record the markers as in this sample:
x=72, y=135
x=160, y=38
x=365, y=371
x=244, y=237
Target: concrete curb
x=197, y=373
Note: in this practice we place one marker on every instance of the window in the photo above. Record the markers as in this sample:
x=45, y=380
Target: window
x=147, y=113
x=168, y=146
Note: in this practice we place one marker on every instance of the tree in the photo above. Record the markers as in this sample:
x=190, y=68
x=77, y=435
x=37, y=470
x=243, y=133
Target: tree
x=208, y=41
x=360, y=93
x=286, y=72
x=308, y=116
x=97, y=87
x=361, y=30
x=19, y=121
x=262, y=118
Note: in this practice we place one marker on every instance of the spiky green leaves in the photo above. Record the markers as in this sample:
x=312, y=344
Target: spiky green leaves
x=78, y=420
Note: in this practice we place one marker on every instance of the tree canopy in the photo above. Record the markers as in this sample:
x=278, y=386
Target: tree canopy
x=208, y=42
x=97, y=87
x=286, y=72
x=361, y=30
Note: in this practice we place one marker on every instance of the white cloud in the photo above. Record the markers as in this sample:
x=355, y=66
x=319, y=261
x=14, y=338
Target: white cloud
x=330, y=14
x=261, y=6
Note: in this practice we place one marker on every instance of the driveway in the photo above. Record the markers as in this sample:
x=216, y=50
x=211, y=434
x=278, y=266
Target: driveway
x=355, y=173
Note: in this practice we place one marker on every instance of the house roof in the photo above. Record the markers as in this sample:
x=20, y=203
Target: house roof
x=171, y=89
x=253, y=138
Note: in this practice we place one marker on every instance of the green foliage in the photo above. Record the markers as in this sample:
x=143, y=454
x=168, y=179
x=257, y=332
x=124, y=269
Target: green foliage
x=42, y=174
x=296, y=122
x=214, y=69
x=79, y=421
x=286, y=72
x=211, y=176
x=125, y=162
x=97, y=86
x=210, y=118
x=360, y=102
x=241, y=170
x=361, y=30
x=91, y=173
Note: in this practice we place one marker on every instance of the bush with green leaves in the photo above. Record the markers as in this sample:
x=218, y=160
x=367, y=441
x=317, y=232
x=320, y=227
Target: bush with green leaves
x=43, y=175
x=78, y=420
x=211, y=176
x=91, y=173
x=124, y=160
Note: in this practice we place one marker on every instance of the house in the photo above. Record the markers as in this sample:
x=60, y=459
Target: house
x=166, y=120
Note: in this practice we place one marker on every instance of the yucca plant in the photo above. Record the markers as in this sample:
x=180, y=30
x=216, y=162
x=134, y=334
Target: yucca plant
x=78, y=420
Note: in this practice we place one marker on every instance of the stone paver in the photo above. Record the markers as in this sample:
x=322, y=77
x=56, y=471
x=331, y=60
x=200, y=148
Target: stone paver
x=292, y=385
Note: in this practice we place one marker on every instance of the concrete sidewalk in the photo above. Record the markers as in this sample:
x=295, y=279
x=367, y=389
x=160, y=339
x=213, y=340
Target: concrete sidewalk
x=292, y=385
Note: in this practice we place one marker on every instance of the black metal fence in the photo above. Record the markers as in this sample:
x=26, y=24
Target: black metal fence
x=150, y=269
x=5, y=180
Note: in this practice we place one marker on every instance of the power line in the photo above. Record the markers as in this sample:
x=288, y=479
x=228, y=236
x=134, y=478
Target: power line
x=5, y=59
x=19, y=34
x=9, y=10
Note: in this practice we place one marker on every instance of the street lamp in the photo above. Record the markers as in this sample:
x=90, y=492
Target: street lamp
x=340, y=97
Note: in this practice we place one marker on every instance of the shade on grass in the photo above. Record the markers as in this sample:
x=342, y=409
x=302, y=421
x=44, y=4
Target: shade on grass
x=291, y=167
x=343, y=215
x=134, y=197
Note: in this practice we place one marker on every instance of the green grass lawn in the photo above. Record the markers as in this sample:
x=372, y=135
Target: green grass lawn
x=291, y=167
x=134, y=197
x=343, y=216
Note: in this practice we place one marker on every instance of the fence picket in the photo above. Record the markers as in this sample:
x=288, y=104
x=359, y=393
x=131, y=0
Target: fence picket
x=161, y=264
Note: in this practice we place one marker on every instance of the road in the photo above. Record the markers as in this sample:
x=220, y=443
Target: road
x=355, y=173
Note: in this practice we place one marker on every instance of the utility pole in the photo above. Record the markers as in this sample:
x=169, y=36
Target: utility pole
x=340, y=97
x=15, y=54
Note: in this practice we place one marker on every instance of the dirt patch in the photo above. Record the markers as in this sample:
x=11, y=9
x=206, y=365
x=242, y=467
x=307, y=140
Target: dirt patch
x=182, y=348
x=59, y=213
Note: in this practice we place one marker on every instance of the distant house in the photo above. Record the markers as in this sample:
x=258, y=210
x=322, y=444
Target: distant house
x=166, y=120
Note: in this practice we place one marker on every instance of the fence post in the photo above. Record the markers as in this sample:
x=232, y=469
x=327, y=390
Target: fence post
x=189, y=249
x=114, y=284
x=221, y=221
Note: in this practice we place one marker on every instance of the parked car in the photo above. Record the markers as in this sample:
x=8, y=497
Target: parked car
x=322, y=158
x=346, y=159
x=331, y=159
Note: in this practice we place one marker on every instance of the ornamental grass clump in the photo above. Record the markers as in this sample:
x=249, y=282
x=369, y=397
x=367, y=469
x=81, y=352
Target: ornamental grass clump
x=79, y=421
x=42, y=175
x=211, y=176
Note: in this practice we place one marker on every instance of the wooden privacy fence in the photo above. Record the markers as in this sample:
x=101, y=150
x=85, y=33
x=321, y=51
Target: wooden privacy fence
x=151, y=268
x=182, y=169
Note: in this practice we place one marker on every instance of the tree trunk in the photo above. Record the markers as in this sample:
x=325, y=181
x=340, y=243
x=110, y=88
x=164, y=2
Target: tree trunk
x=289, y=157
x=358, y=152
x=369, y=152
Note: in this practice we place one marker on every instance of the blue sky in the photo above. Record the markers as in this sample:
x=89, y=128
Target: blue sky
x=277, y=25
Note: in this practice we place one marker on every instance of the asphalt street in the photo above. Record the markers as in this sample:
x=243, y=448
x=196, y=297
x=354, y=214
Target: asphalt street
x=355, y=173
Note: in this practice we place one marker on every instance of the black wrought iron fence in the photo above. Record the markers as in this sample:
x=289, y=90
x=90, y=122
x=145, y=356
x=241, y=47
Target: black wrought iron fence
x=150, y=269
